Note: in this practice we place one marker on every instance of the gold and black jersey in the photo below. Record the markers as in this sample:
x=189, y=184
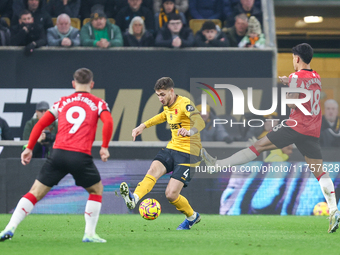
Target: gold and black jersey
x=181, y=114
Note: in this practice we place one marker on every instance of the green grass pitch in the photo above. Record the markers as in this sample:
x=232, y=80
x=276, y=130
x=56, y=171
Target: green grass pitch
x=130, y=234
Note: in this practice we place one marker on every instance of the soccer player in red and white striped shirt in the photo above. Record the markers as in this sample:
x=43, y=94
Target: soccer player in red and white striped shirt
x=77, y=116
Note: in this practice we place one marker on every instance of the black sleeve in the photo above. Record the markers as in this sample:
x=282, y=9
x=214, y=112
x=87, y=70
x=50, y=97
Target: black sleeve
x=18, y=37
x=126, y=40
x=6, y=133
x=161, y=42
x=200, y=40
x=42, y=41
x=219, y=43
x=188, y=41
x=149, y=21
x=120, y=20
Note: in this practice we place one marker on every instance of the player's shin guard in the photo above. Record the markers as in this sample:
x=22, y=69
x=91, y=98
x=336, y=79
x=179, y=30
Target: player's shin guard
x=240, y=157
x=327, y=188
x=24, y=208
x=92, y=211
x=145, y=186
x=182, y=205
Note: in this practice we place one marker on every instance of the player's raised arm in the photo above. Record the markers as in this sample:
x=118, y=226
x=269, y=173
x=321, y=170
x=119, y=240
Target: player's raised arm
x=107, y=131
x=46, y=120
x=158, y=119
x=137, y=131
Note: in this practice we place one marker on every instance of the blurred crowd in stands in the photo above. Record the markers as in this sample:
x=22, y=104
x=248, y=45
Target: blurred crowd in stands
x=137, y=23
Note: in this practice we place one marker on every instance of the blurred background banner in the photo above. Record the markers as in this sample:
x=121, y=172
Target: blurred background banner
x=126, y=85
x=227, y=194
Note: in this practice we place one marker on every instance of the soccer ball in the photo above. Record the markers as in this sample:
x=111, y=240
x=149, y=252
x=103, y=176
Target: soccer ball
x=150, y=209
x=321, y=209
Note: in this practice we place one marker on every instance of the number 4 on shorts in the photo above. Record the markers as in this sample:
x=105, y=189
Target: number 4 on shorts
x=185, y=174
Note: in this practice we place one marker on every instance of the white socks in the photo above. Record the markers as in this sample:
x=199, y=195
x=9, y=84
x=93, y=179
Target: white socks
x=192, y=217
x=327, y=188
x=92, y=211
x=24, y=207
x=240, y=157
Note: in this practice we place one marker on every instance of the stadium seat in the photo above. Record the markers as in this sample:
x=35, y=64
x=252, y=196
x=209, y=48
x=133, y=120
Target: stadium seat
x=75, y=22
x=88, y=19
x=196, y=24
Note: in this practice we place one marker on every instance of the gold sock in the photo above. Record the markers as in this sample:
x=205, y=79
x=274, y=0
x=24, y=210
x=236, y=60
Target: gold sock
x=182, y=205
x=145, y=186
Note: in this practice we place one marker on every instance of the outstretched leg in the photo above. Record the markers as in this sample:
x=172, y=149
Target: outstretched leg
x=157, y=169
x=242, y=156
x=24, y=208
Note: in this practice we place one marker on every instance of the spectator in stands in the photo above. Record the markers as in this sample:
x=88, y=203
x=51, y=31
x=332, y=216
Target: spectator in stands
x=247, y=7
x=181, y=5
x=28, y=33
x=6, y=8
x=135, y=8
x=202, y=9
x=5, y=34
x=330, y=128
x=161, y=17
x=63, y=34
x=100, y=32
x=87, y=6
x=20, y=5
x=138, y=36
x=254, y=37
x=70, y=7
x=210, y=133
x=174, y=35
x=47, y=137
x=209, y=36
x=5, y=132
x=39, y=14
x=236, y=33
x=120, y=4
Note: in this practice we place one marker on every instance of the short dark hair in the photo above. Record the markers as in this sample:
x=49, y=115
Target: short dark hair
x=164, y=83
x=174, y=16
x=208, y=25
x=83, y=76
x=304, y=51
x=24, y=12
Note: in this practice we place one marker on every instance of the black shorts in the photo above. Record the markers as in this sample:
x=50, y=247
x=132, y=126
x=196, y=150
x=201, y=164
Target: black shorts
x=282, y=136
x=182, y=165
x=62, y=162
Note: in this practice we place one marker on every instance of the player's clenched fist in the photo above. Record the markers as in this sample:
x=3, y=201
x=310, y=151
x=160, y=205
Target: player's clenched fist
x=183, y=132
x=26, y=156
x=284, y=79
x=104, y=154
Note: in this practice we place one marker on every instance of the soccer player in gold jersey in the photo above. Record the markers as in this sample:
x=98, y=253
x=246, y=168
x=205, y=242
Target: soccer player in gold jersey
x=179, y=157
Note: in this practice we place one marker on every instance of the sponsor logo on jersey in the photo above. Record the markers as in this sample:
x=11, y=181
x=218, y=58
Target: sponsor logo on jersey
x=175, y=125
x=190, y=108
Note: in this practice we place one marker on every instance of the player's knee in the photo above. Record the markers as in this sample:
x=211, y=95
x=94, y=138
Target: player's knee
x=171, y=195
x=259, y=146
